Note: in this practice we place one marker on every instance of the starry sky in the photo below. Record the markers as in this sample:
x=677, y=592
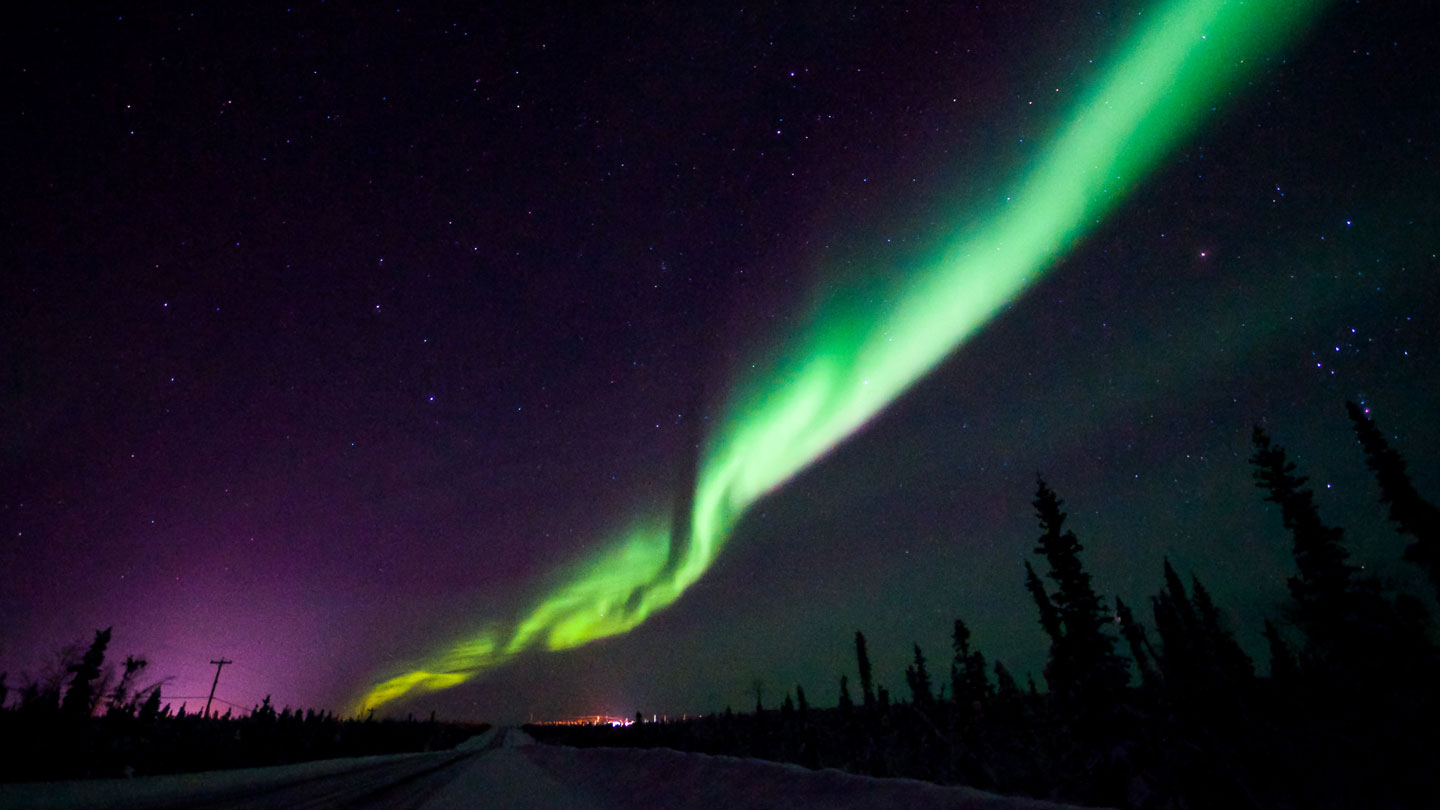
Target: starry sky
x=335, y=333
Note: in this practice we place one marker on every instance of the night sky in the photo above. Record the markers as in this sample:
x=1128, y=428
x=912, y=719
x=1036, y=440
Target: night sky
x=333, y=334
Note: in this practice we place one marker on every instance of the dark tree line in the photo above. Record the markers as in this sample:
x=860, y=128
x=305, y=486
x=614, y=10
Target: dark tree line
x=86, y=719
x=1169, y=715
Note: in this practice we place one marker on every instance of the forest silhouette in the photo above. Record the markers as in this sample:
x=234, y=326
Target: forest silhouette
x=1170, y=715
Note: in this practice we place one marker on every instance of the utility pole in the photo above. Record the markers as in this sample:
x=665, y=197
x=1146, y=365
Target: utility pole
x=219, y=665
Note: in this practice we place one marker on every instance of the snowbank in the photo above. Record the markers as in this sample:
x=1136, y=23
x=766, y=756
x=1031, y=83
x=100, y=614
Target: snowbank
x=506, y=768
x=179, y=790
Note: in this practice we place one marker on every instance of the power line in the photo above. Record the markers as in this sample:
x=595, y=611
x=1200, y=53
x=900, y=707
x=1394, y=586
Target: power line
x=232, y=704
x=219, y=665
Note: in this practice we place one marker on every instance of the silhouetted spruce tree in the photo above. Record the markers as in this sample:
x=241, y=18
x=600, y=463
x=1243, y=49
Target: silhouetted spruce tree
x=919, y=680
x=1197, y=651
x=863, y=659
x=847, y=706
x=1134, y=633
x=1049, y=618
x=150, y=709
x=80, y=698
x=1005, y=687
x=1084, y=663
x=1323, y=589
x=265, y=712
x=969, y=682
x=1219, y=644
x=882, y=699
x=1373, y=655
x=808, y=753
x=1283, y=669
x=1412, y=514
x=1178, y=626
x=34, y=699
x=1009, y=703
x=121, y=701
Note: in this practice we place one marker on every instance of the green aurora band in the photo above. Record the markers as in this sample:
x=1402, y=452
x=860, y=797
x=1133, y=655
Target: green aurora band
x=853, y=361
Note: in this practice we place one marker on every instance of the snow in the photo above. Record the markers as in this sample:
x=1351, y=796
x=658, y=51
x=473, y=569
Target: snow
x=662, y=778
x=508, y=769
x=149, y=791
x=522, y=774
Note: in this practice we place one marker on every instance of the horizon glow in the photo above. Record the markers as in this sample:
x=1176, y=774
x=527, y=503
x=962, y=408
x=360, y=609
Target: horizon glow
x=849, y=365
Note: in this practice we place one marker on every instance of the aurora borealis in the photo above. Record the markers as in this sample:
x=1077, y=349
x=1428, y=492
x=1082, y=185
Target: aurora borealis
x=377, y=372
x=850, y=365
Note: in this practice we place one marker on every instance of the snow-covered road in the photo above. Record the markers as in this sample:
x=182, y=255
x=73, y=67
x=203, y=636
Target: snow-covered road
x=506, y=769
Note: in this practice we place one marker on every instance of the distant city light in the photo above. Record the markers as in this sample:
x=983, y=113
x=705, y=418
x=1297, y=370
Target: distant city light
x=587, y=720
